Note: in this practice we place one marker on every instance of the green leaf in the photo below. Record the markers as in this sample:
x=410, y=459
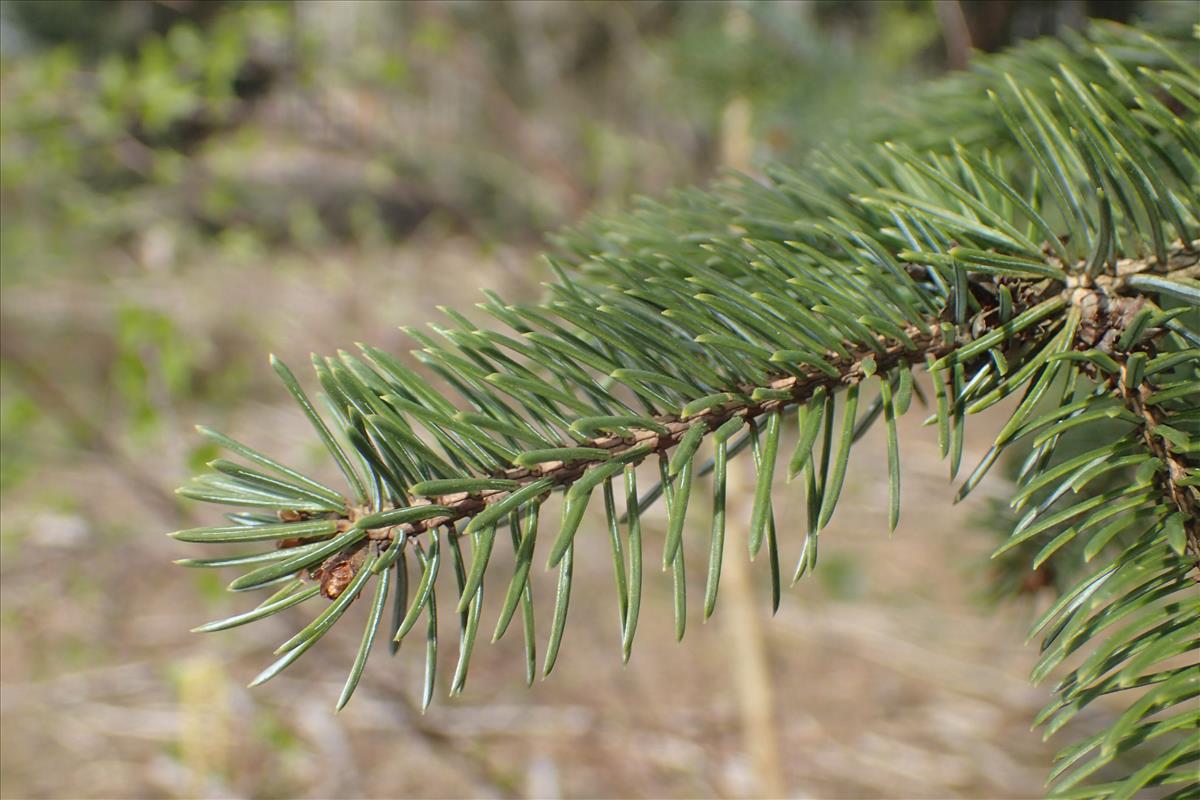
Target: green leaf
x=269, y=463
x=492, y=513
x=263, y=611
x=249, y=558
x=573, y=509
x=562, y=601
x=518, y=587
x=761, y=511
x=958, y=421
x=893, y=454
x=709, y=402
x=402, y=516
x=259, y=533
x=399, y=598
x=533, y=458
x=686, y=448
x=769, y=516
x=632, y=377
x=589, y=426
x=1184, y=289
x=618, y=553
x=483, y=539
x=804, y=357
x=529, y=631
x=635, y=561
x=943, y=411
x=277, y=486
x=1005, y=265
x=677, y=505
x=335, y=450
x=833, y=489
x=679, y=586
x=364, y=648
x=810, y=416
x=447, y=486
x=427, y=597
x=282, y=663
x=593, y=477
x=425, y=588
x=716, y=549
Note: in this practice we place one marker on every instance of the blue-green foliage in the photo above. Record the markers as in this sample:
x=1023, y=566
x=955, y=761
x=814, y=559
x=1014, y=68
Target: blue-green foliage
x=1032, y=232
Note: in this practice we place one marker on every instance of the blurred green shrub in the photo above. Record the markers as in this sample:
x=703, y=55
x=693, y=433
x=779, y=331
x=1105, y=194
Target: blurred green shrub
x=93, y=147
x=263, y=123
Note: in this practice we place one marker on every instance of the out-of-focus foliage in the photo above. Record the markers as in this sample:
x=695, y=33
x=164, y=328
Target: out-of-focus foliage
x=94, y=150
x=267, y=122
x=164, y=129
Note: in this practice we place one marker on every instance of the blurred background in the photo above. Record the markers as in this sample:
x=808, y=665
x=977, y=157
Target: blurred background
x=188, y=186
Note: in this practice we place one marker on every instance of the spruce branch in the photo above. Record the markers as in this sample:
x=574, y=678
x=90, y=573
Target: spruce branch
x=1096, y=297
x=1049, y=255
